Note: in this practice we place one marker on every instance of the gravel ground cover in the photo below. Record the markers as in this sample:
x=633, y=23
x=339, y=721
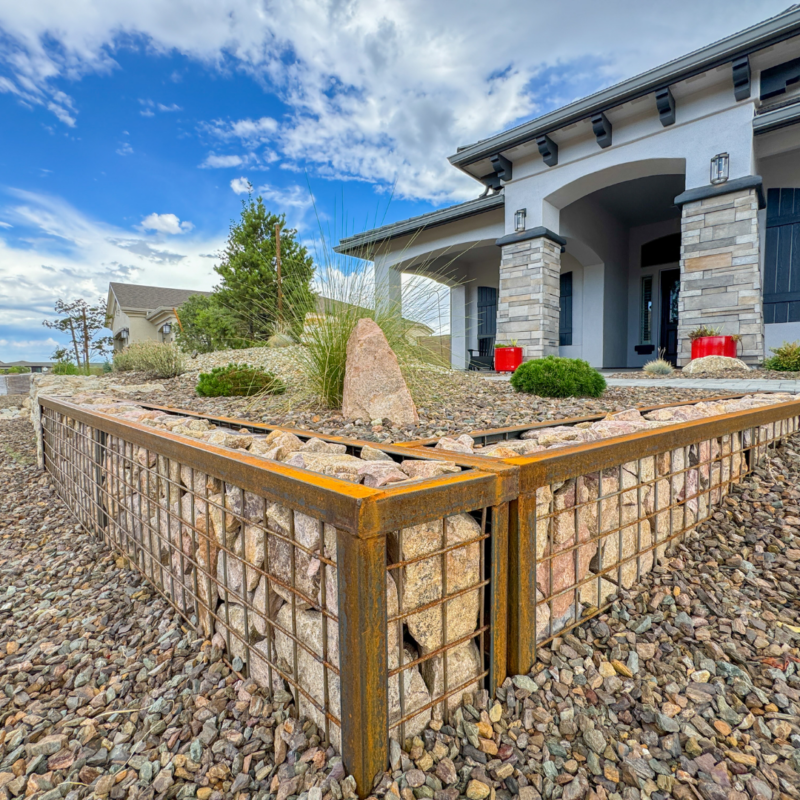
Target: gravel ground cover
x=448, y=402
x=688, y=688
x=754, y=374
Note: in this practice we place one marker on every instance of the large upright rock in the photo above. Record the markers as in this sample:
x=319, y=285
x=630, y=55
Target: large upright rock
x=373, y=384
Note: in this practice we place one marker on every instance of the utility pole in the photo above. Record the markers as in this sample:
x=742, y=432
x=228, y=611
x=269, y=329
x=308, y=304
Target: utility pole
x=278, y=268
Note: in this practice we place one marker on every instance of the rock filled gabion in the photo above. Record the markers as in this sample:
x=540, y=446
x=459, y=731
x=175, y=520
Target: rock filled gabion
x=599, y=533
x=260, y=578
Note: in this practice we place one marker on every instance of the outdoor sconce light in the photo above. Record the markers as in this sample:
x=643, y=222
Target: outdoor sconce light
x=167, y=329
x=123, y=334
x=719, y=168
x=519, y=219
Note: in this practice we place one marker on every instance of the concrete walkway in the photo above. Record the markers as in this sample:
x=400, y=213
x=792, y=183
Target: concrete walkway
x=723, y=386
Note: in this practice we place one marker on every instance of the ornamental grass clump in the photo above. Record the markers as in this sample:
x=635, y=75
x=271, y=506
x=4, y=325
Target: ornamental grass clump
x=553, y=376
x=786, y=358
x=659, y=366
x=155, y=359
x=239, y=380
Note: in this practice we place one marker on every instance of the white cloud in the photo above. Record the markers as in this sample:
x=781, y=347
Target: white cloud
x=169, y=108
x=251, y=132
x=375, y=90
x=220, y=162
x=6, y=225
x=124, y=149
x=239, y=185
x=165, y=223
x=149, y=107
x=289, y=197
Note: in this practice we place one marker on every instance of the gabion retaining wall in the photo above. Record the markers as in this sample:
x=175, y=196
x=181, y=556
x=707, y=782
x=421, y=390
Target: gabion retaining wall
x=377, y=607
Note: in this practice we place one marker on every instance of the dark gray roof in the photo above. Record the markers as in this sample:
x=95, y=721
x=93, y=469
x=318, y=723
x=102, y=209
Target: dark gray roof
x=358, y=244
x=132, y=295
x=775, y=29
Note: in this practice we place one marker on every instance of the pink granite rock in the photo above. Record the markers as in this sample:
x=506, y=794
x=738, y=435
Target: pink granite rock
x=374, y=387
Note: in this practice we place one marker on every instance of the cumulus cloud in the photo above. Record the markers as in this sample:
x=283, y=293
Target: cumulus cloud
x=375, y=90
x=165, y=223
x=240, y=186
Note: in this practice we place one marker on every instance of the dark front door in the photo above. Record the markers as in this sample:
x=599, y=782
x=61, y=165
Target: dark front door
x=487, y=320
x=670, y=289
x=782, y=257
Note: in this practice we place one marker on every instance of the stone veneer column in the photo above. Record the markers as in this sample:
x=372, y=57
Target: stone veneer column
x=528, y=301
x=720, y=270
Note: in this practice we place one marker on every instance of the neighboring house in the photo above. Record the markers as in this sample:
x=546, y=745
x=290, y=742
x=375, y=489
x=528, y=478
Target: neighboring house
x=34, y=366
x=141, y=313
x=612, y=227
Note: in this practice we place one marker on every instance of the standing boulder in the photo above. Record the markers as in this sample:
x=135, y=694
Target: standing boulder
x=374, y=387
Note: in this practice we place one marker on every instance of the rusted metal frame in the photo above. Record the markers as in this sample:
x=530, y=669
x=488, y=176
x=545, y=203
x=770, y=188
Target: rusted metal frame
x=361, y=565
x=443, y=648
x=498, y=598
x=543, y=469
x=495, y=435
x=353, y=507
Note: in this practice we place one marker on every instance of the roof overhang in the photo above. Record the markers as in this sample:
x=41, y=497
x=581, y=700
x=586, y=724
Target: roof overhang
x=776, y=29
x=362, y=245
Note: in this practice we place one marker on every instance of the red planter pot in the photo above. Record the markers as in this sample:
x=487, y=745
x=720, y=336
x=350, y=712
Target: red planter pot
x=714, y=346
x=507, y=359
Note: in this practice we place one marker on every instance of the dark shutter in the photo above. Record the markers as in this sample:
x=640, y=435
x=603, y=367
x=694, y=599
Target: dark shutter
x=487, y=320
x=565, y=311
x=782, y=257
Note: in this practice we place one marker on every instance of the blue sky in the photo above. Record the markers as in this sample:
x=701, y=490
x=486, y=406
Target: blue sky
x=128, y=131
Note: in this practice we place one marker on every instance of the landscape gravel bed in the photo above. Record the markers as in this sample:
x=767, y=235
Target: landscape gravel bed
x=448, y=402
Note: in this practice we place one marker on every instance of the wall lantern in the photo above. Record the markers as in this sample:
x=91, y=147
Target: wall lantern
x=166, y=328
x=123, y=334
x=720, y=165
x=519, y=219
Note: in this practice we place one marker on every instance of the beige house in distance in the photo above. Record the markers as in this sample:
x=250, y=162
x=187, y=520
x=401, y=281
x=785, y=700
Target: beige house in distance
x=143, y=313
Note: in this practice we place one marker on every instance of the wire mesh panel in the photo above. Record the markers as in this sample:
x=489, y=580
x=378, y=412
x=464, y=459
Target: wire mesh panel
x=250, y=552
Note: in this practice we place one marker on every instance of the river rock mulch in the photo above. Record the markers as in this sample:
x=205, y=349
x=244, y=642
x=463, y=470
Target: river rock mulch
x=106, y=692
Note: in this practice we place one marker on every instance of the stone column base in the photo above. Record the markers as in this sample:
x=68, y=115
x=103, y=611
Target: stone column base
x=720, y=272
x=528, y=302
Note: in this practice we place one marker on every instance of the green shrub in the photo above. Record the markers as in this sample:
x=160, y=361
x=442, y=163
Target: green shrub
x=558, y=377
x=786, y=358
x=155, y=359
x=65, y=368
x=18, y=370
x=658, y=366
x=238, y=380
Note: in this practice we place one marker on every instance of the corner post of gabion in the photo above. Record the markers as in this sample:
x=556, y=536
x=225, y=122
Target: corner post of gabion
x=364, y=664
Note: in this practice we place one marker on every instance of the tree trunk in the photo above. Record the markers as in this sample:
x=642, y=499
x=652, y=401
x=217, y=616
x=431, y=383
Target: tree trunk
x=74, y=341
x=85, y=341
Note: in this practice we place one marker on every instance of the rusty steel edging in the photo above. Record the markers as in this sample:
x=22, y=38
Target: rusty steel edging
x=361, y=510
x=503, y=434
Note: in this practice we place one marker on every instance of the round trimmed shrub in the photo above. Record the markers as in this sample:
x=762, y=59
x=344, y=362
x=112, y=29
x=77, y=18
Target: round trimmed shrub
x=558, y=377
x=238, y=380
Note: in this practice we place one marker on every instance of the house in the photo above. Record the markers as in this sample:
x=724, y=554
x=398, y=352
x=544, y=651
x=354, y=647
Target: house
x=140, y=313
x=610, y=228
x=33, y=366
